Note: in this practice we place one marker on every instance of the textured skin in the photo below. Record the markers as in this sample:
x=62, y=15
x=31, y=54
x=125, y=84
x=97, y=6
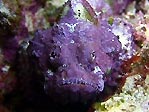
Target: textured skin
x=77, y=58
x=74, y=61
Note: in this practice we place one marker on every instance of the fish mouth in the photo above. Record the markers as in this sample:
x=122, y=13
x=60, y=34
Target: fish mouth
x=80, y=82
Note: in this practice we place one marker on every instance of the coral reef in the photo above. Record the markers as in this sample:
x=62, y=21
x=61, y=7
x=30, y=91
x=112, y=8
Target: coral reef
x=72, y=54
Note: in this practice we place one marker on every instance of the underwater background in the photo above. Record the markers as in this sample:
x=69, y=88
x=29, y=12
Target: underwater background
x=74, y=56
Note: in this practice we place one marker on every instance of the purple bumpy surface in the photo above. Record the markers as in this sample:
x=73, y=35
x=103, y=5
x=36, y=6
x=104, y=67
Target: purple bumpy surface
x=78, y=58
